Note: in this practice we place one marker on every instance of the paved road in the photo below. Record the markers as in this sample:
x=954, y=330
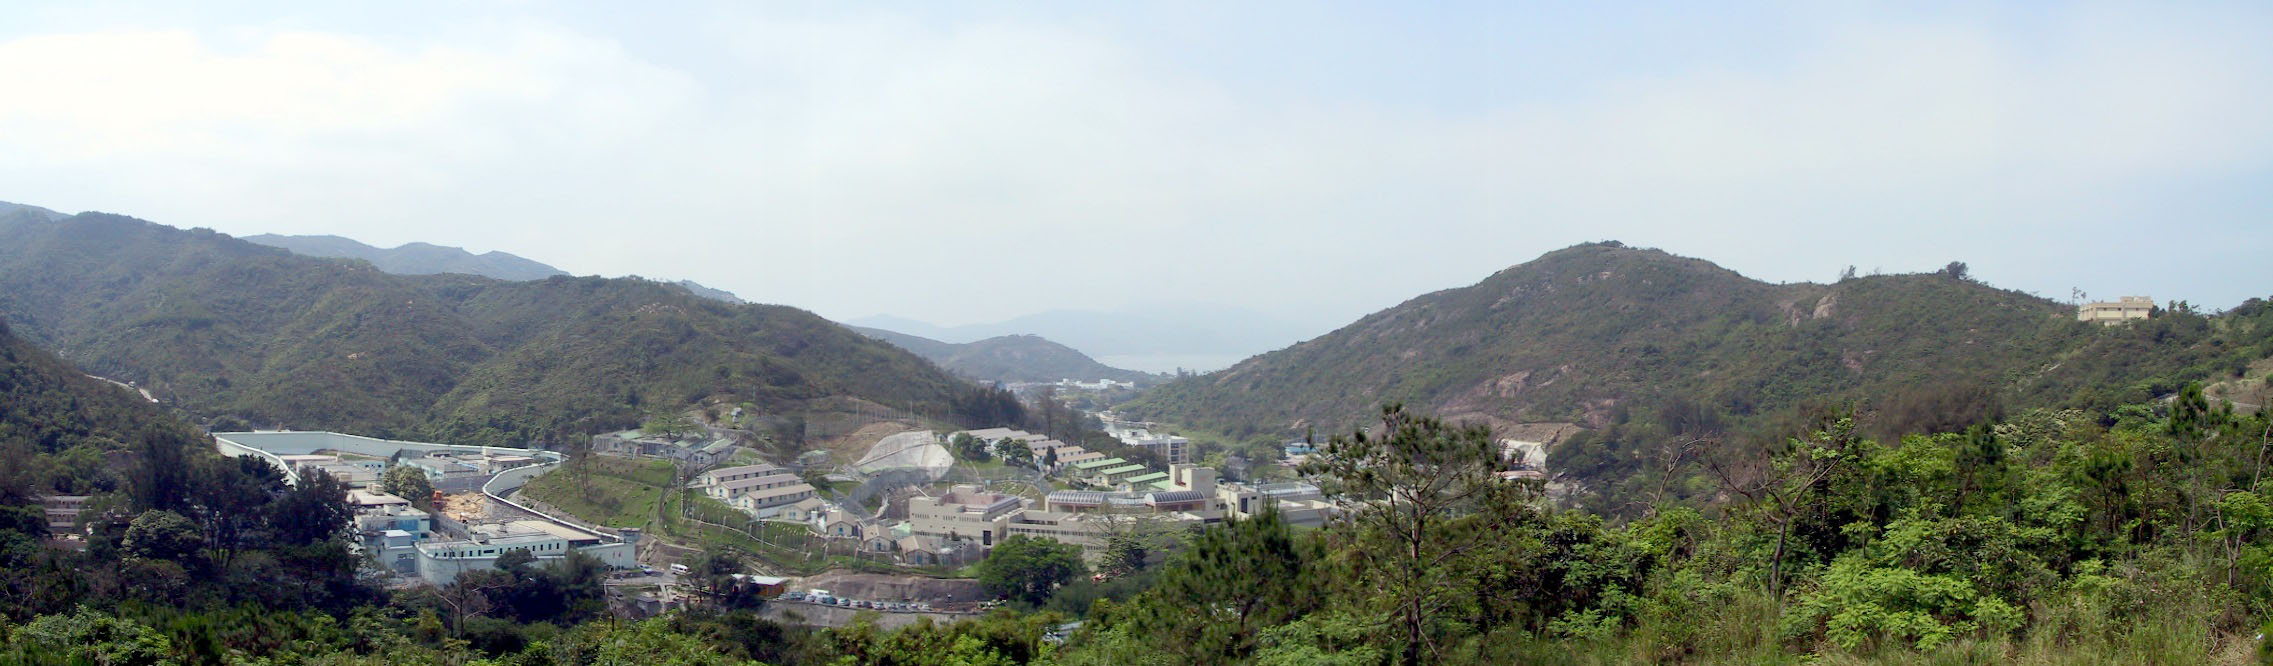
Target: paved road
x=660, y=578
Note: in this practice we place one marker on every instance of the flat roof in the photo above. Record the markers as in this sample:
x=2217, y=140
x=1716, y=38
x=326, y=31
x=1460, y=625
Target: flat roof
x=531, y=527
x=759, y=481
x=745, y=469
x=780, y=491
x=368, y=497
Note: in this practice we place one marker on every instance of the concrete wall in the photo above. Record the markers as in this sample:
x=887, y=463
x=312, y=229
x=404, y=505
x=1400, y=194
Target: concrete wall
x=233, y=450
x=273, y=444
x=503, y=485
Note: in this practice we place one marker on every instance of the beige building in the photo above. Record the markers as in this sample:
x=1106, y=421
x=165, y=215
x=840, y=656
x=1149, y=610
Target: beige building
x=2121, y=310
x=723, y=475
x=804, y=511
x=1299, y=503
x=1089, y=531
x=755, y=489
x=966, y=512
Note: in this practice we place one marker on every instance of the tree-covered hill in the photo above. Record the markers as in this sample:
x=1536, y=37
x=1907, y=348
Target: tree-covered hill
x=414, y=258
x=57, y=425
x=1588, y=333
x=1009, y=358
x=21, y=212
x=430, y=259
x=221, y=326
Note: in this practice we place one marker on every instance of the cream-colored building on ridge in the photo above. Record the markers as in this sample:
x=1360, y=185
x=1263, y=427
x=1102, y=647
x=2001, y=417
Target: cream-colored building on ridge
x=2121, y=310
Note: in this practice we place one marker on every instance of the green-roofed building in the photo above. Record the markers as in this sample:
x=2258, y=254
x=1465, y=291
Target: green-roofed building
x=1105, y=463
x=1116, y=474
x=1142, y=480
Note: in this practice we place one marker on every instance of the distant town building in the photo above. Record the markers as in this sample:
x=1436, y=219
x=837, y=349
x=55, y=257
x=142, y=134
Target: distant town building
x=1172, y=448
x=700, y=453
x=2121, y=310
x=63, y=512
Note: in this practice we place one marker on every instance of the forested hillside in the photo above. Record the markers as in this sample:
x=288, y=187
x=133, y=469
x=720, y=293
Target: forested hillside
x=58, y=426
x=1596, y=333
x=16, y=211
x=222, y=327
x=1009, y=358
x=414, y=258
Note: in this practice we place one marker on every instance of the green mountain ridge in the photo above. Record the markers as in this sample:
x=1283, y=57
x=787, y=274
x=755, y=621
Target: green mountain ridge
x=1586, y=333
x=414, y=258
x=1009, y=358
x=429, y=259
x=221, y=326
x=25, y=213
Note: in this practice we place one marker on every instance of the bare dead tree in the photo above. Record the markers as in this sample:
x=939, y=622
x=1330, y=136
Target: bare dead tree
x=1776, y=487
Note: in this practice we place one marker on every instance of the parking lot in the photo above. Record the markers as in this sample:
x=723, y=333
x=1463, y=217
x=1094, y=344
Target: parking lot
x=856, y=604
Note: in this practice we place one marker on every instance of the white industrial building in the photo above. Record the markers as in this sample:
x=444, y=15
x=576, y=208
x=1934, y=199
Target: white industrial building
x=440, y=562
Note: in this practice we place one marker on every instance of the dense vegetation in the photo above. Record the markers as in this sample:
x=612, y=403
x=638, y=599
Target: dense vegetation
x=1010, y=358
x=225, y=328
x=2045, y=538
x=58, y=427
x=1582, y=332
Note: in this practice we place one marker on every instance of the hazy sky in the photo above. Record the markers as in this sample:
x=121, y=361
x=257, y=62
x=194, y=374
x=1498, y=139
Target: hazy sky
x=966, y=162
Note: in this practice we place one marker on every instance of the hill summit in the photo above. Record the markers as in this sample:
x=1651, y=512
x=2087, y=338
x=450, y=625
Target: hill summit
x=1585, y=333
x=220, y=326
x=1009, y=358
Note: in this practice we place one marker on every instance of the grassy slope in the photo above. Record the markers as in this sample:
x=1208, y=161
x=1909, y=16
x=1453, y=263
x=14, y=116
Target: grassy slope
x=623, y=490
x=227, y=327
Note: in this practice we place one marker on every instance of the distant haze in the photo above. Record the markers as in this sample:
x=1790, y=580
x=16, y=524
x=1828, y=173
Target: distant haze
x=1157, y=338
